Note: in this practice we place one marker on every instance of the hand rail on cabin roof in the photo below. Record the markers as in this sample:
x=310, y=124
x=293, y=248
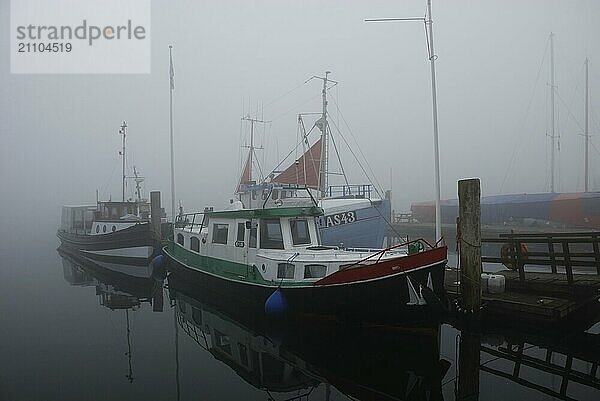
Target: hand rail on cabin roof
x=402, y=244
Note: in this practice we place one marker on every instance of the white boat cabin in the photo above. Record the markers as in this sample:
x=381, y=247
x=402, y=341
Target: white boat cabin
x=278, y=243
x=103, y=218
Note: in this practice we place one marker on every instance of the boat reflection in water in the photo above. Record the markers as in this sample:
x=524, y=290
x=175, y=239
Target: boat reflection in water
x=115, y=289
x=295, y=357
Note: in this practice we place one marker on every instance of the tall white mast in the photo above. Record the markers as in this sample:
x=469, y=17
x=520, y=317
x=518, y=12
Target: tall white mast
x=428, y=20
x=432, y=57
x=123, y=131
x=587, y=132
x=552, y=116
x=171, y=88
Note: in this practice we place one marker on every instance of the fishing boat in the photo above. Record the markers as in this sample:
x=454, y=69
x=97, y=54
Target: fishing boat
x=273, y=255
x=355, y=215
x=110, y=230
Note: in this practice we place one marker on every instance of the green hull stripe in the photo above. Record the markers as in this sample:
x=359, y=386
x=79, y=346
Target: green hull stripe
x=218, y=267
x=225, y=269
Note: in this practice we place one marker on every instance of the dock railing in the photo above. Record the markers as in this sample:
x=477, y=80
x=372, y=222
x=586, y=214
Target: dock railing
x=554, y=250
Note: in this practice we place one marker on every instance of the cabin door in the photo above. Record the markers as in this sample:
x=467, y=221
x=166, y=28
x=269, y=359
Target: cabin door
x=241, y=244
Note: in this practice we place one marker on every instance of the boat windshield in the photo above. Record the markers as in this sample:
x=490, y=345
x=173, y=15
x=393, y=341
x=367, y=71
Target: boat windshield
x=300, y=233
x=270, y=234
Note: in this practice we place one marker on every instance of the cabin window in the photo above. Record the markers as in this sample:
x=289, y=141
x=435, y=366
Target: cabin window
x=300, y=233
x=241, y=232
x=220, y=232
x=104, y=228
x=314, y=271
x=180, y=239
x=283, y=194
x=97, y=229
x=285, y=270
x=222, y=342
x=195, y=244
x=270, y=234
x=114, y=228
x=252, y=240
x=114, y=213
x=275, y=194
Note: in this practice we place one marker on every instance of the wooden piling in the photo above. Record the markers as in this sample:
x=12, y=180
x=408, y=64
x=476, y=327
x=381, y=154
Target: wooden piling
x=469, y=354
x=155, y=215
x=469, y=193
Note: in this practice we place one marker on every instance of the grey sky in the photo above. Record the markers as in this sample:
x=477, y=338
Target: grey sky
x=59, y=140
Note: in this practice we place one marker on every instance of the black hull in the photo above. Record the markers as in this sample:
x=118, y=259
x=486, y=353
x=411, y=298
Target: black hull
x=384, y=300
x=137, y=236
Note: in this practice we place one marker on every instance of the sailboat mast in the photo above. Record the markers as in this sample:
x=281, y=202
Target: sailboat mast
x=587, y=132
x=324, y=141
x=171, y=88
x=123, y=131
x=432, y=57
x=552, y=115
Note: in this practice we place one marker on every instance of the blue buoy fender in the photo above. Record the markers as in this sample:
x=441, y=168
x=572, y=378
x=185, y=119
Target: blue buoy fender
x=159, y=261
x=276, y=304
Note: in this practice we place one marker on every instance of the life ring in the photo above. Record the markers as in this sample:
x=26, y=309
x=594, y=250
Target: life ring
x=507, y=257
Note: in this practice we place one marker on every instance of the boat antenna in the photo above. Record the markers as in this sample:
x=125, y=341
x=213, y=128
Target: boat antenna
x=171, y=89
x=427, y=20
x=138, y=180
x=252, y=120
x=251, y=147
x=123, y=131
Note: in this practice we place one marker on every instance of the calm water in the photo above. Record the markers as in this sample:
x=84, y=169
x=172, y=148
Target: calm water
x=70, y=330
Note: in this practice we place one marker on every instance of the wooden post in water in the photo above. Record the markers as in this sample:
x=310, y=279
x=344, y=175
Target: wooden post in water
x=155, y=215
x=469, y=354
x=470, y=243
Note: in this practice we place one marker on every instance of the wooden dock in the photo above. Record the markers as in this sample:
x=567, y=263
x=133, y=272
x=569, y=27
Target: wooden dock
x=558, y=294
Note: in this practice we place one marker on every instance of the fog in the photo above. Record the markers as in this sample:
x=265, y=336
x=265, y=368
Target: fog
x=59, y=132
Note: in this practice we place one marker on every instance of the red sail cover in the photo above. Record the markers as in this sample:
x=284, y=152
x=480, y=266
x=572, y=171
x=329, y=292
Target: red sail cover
x=305, y=170
x=245, y=178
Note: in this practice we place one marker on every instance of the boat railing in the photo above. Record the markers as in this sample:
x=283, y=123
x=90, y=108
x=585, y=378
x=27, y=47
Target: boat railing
x=363, y=249
x=354, y=190
x=190, y=221
x=418, y=244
